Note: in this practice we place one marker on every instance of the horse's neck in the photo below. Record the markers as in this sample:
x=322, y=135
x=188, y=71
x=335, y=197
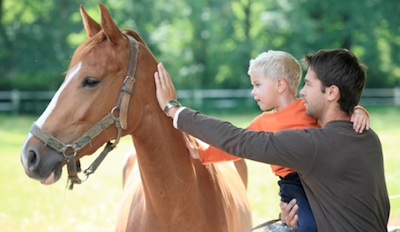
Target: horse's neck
x=164, y=162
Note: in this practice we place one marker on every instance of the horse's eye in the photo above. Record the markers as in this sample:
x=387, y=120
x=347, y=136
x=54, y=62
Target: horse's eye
x=90, y=82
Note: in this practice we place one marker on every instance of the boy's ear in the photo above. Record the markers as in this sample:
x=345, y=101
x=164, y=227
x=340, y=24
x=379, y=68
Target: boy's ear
x=281, y=85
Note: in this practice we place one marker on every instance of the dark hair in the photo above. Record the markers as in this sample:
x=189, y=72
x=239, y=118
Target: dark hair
x=341, y=68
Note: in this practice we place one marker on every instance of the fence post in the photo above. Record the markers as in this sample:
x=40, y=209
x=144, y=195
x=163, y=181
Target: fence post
x=396, y=96
x=15, y=101
x=198, y=98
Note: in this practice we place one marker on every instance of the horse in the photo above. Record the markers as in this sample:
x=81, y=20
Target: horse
x=109, y=92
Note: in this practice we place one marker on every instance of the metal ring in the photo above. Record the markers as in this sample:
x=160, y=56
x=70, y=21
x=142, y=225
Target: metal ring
x=113, y=112
x=66, y=148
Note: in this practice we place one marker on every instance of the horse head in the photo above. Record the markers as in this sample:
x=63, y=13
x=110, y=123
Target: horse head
x=105, y=82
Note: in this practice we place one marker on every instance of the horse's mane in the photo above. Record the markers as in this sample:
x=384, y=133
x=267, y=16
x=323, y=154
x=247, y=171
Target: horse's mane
x=135, y=35
x=93, y=41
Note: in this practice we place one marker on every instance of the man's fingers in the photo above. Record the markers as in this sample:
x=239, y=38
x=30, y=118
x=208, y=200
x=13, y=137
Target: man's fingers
x=291, y=203
x=292, y=218
x=293, y=211
x=160, y=76
x=163, y=76
x=288, y=213
x=293, y=223
x=157, y=80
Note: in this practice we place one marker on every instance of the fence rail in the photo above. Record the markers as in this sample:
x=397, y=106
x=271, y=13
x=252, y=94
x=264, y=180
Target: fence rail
x=35, y=101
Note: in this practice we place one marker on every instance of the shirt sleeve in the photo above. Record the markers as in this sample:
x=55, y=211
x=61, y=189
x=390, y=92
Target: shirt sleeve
x=175, y=120
x=211, y=154
x=289, y=148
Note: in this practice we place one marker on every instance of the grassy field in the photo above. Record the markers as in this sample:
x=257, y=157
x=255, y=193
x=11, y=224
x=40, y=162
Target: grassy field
x=26, y=205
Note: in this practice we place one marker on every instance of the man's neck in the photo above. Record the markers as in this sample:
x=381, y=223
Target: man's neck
x=333, y=115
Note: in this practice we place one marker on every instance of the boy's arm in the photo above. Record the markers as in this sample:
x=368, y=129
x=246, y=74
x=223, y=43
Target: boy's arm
x=360, y=119
x=211, y=154
x=206, y=153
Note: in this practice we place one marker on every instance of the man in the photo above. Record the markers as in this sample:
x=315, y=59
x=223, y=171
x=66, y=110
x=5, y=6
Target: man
x=341, y=170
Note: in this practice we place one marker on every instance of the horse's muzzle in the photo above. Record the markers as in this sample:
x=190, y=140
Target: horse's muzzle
x=40, y=162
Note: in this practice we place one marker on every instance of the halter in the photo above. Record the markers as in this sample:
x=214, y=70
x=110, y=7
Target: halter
x=69, y=151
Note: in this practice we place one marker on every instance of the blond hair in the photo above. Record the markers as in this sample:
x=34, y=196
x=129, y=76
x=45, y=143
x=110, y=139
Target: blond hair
x=278, y=64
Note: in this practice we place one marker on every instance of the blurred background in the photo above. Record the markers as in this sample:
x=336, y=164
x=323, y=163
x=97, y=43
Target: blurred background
x=204, y=44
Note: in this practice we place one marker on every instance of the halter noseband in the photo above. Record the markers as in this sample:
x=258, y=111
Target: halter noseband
x=69, y=151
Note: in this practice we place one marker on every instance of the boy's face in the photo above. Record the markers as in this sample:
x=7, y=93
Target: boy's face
x=264, y=90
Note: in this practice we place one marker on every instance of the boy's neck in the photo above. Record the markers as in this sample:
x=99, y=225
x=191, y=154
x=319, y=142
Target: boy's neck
x=285, y=100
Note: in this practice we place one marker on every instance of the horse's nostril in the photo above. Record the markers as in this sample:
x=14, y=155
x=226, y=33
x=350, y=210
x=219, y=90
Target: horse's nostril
x=33, y=160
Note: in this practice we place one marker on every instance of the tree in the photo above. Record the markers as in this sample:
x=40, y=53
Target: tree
x=35, y=35
x=368, y=28
x=204, y=44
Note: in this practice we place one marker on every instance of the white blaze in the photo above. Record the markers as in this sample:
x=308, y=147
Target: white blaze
x=54, y=100
x=74, y=70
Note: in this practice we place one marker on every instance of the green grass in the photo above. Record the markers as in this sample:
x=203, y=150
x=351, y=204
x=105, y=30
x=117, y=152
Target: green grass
x=26, y=205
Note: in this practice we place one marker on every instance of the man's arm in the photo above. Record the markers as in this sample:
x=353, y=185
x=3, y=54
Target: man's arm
x=258, y=146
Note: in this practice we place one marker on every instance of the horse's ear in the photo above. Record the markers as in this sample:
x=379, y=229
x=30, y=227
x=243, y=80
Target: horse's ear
x=91, y=26
x=111, y=30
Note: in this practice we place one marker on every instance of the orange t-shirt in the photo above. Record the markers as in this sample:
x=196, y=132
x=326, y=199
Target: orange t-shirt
x=291, y=117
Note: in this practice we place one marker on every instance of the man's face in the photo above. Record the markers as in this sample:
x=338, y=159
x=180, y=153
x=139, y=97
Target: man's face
x=312, y=94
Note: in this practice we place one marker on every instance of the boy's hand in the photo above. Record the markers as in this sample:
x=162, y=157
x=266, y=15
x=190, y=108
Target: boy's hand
x=360, y=120
x=190, y=145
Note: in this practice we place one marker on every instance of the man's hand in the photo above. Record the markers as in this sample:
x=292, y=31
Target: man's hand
x=288, y=213
x=165, y=88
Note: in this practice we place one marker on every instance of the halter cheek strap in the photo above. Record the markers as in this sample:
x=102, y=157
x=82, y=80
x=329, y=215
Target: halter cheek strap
x=129, y=82
x=63, y=148
x=69, y=151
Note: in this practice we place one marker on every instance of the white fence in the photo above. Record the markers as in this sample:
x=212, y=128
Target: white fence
x=35, y=101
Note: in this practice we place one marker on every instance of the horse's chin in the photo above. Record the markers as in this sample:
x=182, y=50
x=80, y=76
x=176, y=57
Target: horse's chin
x=54, y=176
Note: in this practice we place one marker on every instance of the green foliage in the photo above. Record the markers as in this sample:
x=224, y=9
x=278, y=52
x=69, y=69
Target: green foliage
x=204, y=44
